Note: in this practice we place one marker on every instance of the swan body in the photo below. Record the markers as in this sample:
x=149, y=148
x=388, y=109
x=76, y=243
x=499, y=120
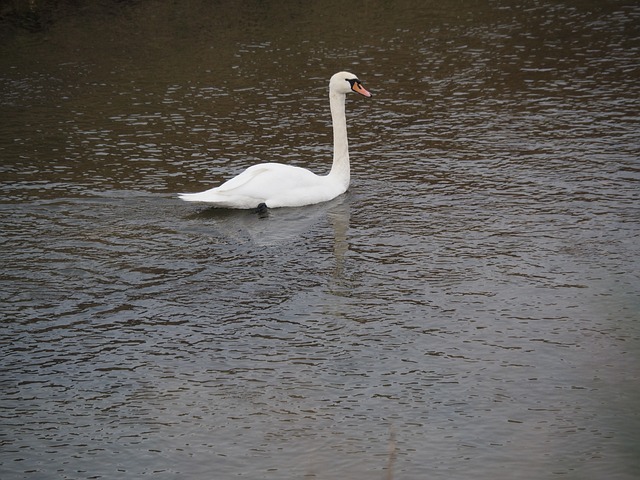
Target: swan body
x=277, y=185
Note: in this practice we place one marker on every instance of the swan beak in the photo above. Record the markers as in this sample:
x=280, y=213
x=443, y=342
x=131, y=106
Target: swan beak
x=358, y=88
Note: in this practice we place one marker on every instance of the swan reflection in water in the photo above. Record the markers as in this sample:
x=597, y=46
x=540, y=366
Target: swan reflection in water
x=272, y=185
x=277, y=227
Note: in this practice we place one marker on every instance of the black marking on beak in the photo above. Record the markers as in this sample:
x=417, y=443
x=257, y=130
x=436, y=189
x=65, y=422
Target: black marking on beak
x=353, y=82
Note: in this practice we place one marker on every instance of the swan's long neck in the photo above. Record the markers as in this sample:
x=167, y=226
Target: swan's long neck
x=340, y=169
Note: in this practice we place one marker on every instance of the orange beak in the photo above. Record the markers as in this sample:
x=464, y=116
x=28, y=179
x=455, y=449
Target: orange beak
x=358, y=88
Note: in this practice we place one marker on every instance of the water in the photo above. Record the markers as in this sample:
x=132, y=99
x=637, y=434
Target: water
x=469, y=309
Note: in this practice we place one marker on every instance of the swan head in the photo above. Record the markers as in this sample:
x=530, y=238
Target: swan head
x=345, y=82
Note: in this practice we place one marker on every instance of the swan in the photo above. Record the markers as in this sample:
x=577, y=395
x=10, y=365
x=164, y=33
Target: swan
x=273, y=185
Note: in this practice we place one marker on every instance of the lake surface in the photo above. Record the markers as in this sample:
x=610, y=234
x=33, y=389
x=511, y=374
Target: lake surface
x=469, y=309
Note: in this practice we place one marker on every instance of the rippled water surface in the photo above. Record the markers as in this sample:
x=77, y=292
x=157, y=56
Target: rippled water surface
x=469, y=309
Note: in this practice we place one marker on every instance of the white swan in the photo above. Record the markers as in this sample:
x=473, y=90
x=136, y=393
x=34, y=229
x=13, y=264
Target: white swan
x=276, y=185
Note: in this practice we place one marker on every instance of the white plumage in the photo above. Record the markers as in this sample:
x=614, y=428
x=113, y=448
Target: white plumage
x=278, y=185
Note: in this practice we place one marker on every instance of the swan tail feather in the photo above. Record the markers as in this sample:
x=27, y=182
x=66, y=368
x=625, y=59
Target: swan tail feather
x=220, y=200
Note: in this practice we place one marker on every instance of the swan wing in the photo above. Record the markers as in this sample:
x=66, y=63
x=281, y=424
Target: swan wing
x=244, y=178
x=274, y=184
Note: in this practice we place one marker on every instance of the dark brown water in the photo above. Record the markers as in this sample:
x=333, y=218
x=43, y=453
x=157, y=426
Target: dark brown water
x=469, y=309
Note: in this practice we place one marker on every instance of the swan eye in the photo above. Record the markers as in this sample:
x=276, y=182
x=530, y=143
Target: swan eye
x=353, y=82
